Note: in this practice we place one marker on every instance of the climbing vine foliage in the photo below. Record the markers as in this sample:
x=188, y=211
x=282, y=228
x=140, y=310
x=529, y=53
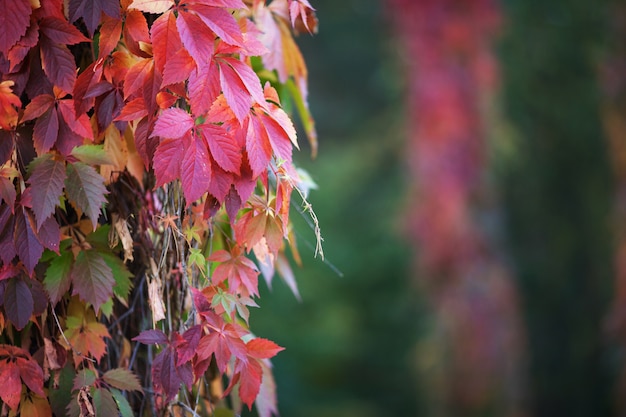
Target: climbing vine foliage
x=146, y=178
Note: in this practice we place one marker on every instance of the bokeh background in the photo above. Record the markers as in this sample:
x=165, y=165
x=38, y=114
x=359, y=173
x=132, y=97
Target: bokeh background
x=472, y=199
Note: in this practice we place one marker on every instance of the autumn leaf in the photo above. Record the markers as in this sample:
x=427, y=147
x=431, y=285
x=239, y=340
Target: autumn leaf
x=197, y=39
x=27, y=245
x=152, y=6
x=262, y=348
x=17, y=364
x=46, y=131
x=91, y=11
x=58, y=63
x=92, y=278
x=220, y=21
x=151, y=336
x=195, y=169
x=251, y=374
x=84, y=332
x=18, y=302
x=165, y=39
x=224, y=148
x=8, y=104
x=61, y=31
x=223, y=341
x=122, y=379
x=167, y=161
x=265, y=402
x=85, y=188
x=173, y=124
x=167, y=376
x=46, y=182
x=14, y=20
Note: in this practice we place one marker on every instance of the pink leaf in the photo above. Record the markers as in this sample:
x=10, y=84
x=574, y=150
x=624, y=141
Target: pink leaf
x=223, y=147
x=195, y=169
x=173, y=123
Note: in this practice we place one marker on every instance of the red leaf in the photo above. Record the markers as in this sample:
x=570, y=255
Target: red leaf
x=149, y=337
x=203, y=87
x=178, y=68
x=110, y=33
x=150, y=88
x=135, y=31
x=220, y=183
x=92, y=278
x=46, y=182
x=145, y=145
x=247, y=76
x=37, y=106
x=58, y=64
x=167, y=161
x=235, y=92
x=14, y=20
x=188, y=344
x=11, y=384
x=196, y=37
x=27, y=246
x=262, y=348
x=61, y=31
x=78, y=124
x=223, y=147
x=238, y=270
x=18, y=302
x=258, y=146
x=20, y=50
x=7, y=192
x=31, y=373
x=85, y=82
x=221, y=22
x=133, y=110
x=223, y=341
x=232, y=201
x=46, y=131
x=173, y=124
x=266, y=398
x=250, y=381
x=195, y=169
x=152, y=6
x=135, y=76
x=85, y=188
x=165, y=39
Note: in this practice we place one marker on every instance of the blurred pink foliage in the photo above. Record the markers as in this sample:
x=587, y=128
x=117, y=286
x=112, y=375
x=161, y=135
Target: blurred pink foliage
x=474, y=360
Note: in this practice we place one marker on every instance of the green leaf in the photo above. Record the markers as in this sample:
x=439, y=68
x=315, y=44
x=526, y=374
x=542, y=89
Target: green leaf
x=122, y=379
x=92, y=278
x=103, y=403
x=122, y=403
x=84, y=378
x=57, y=280
x=61, y=394
x=122, y=276
x=85, y=188
x=92, y=154
x=196, y=257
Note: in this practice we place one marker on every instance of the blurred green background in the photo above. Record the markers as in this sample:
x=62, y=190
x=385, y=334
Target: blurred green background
x=351, y=342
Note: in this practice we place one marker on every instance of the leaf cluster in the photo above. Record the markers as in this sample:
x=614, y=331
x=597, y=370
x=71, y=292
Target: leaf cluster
x=146, y=176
